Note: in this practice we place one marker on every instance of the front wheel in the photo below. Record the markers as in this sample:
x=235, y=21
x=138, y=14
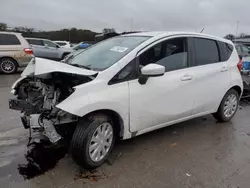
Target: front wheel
x=228, y=106
x=93, y=141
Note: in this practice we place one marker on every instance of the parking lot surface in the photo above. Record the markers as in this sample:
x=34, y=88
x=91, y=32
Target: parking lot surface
x=199, y=153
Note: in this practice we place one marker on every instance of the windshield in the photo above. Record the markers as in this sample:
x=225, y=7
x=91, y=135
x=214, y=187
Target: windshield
x=106, y=53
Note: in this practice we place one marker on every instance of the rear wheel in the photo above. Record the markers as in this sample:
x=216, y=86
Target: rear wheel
x=228, y=106
x=93, y=141
x=8, y=66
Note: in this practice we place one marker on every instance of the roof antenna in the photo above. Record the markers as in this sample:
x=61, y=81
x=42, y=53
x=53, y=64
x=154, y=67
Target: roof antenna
x=202, y=30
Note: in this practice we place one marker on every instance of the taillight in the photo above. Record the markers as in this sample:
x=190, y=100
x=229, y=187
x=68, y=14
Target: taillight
x=28, y=51
x=239, y=65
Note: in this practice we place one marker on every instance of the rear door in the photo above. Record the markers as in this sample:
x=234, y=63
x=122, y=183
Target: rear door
x=37, y=46
x=51, y=50
x=211, y=75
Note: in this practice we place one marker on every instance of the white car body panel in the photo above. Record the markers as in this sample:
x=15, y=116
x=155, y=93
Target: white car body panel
x=162, y=99
x=174, y=97
x=43, y=67
x=211, y=84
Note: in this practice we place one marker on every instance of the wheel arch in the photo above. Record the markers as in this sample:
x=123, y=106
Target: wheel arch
x=115, y=117
x=9, y=57
x=237, y=88
x=64, y=55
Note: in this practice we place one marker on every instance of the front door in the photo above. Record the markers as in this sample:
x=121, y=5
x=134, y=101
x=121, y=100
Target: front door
x=166, y=98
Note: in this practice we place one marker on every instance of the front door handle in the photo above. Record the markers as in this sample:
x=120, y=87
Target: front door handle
x=223, y=69
x=186, y=78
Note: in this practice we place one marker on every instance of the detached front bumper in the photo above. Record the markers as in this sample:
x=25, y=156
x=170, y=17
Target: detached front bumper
x=33, y=121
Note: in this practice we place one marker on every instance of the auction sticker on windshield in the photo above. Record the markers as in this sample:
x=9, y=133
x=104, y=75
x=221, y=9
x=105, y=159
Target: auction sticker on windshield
x=119, y=49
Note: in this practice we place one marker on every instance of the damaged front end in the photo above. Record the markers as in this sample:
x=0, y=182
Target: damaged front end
x=39, y=91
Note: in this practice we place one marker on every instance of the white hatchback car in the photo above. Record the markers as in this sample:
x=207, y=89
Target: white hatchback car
x=126, y=86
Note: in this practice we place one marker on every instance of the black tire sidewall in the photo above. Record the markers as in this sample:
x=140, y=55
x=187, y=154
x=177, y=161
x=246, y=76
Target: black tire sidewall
x=13, y=61
x=82, y=137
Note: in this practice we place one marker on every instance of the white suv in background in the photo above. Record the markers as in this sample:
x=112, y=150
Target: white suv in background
x=64, y=44
x=127, y=86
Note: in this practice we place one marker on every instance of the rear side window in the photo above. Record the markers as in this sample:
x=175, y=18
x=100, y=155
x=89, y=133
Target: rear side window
x=206, y=51
x=9, y=39
x=35, y=42
x=229, y=49
x=226, y=50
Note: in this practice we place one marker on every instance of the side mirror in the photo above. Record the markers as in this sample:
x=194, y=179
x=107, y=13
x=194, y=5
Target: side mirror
x=46, y=45
x=151, y=70
x=57, y=46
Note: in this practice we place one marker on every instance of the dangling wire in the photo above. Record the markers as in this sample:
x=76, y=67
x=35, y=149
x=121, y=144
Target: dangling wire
x=29, y=137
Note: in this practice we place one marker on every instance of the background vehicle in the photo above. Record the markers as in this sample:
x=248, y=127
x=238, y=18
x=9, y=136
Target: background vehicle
x=81, y=45
x=15, y=52
x=242, y=50
x=71, y=55
x=64, y=44
x=129, y=85
x=48, y=49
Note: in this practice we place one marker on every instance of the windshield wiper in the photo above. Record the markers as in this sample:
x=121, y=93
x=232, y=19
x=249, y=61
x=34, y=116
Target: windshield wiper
x=81, y=66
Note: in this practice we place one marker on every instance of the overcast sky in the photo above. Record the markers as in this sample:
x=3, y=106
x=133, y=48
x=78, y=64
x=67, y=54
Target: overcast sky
x=218, y=17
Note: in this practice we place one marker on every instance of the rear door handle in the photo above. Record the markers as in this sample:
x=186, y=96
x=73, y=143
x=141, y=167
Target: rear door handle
x=186, y=78
x=223, y=69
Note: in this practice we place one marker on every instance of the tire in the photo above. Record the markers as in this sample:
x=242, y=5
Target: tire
x=8, y=66
x=221, y=115
x=64, y=55
x=86, y=129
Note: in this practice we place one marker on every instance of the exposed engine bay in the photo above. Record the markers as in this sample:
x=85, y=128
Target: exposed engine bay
x=37, y=98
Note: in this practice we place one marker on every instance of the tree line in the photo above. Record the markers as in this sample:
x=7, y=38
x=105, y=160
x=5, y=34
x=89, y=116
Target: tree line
x=73, y=35
x=233, y=37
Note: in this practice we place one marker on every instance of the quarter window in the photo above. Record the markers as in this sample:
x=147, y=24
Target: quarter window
x=9, y=39
x=172, y=54
x=206, y=51
x=35, y=42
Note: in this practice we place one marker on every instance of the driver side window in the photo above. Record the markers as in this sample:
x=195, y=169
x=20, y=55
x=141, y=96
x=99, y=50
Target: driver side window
x=172, y=54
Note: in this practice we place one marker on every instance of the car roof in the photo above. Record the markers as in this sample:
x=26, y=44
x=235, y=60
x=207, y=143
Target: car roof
x=160, y=34
x=36, y=38
x=60, y=41
x=6, y=32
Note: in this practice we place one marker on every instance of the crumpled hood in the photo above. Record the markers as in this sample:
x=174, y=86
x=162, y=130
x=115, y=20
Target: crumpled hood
x=43, y=67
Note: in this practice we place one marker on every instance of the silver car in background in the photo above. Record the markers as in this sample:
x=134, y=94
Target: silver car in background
x=243, y=50
x=48, y=49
